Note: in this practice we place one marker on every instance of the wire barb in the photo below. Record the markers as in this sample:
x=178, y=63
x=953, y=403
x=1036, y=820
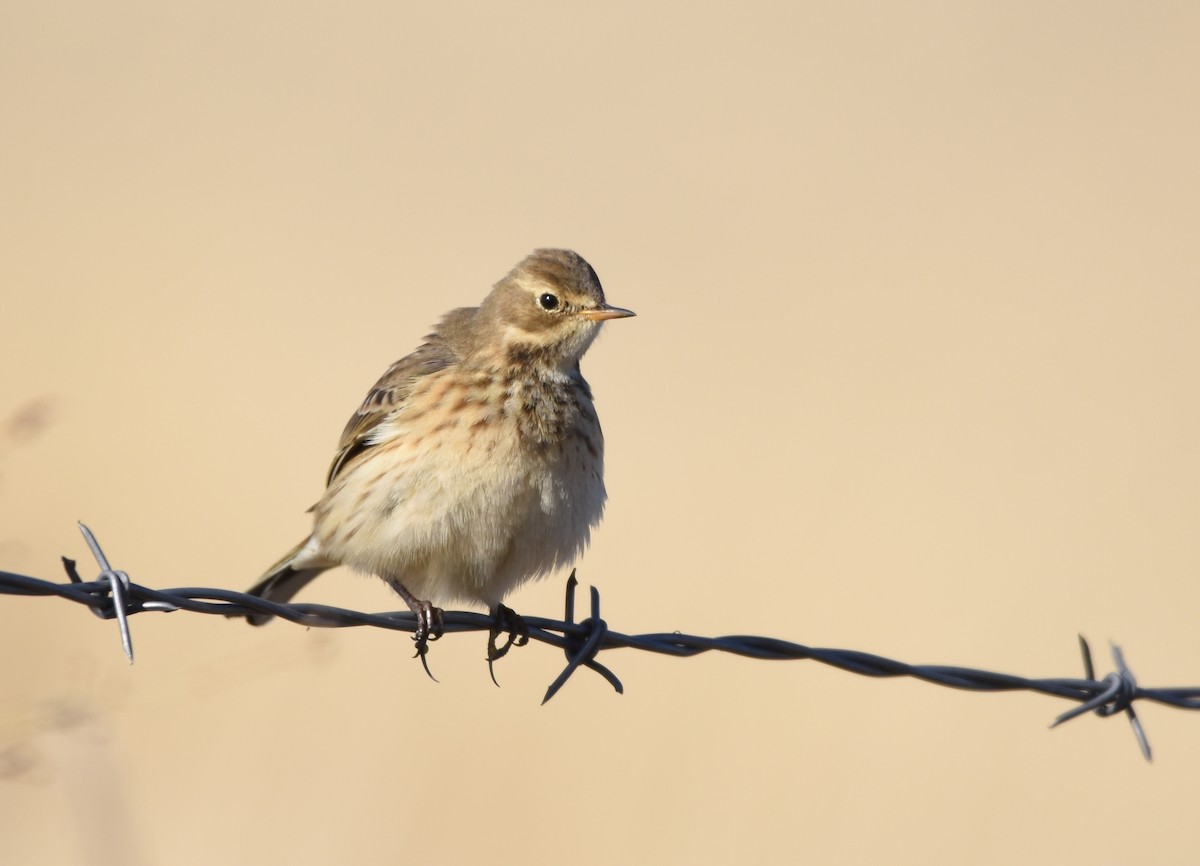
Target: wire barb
x=1117, y=697
x=113, y=595
x=118, y=584
x=582, y=650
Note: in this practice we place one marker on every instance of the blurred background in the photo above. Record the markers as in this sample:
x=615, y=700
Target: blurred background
x=915, y=372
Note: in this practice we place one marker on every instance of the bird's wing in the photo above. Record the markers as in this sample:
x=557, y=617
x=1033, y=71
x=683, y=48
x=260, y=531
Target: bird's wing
x=387, y=397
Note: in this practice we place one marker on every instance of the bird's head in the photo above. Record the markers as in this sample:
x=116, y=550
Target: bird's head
x=548, y=309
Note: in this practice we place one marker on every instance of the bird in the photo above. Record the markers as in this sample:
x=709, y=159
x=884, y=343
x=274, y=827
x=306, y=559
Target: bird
x=475, y=463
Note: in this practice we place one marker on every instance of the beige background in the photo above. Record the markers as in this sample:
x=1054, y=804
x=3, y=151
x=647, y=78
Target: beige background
x=915, y=372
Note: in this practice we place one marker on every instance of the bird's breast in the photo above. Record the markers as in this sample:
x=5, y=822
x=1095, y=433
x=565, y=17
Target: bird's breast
x=546, y=409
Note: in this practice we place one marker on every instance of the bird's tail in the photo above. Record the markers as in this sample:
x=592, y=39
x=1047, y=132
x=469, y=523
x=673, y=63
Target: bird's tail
x=287, y=577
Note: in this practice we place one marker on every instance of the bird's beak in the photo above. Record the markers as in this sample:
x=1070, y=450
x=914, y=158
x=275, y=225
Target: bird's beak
x=606, y=312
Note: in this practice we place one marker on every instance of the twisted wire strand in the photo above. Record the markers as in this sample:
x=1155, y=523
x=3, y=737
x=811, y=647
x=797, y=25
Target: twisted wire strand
x=113, y=595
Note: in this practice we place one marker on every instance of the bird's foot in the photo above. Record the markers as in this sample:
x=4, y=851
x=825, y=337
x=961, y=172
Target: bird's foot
x=429, y=620
x=429, y=625
x=506, y=620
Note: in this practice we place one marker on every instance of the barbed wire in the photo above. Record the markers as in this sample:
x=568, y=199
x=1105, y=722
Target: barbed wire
x=114, y=596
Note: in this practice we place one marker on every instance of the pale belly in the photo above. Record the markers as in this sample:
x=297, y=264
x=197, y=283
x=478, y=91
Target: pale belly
x=464, y=518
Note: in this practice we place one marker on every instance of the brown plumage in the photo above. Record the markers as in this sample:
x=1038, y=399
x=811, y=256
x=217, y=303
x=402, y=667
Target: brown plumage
x=476, y=462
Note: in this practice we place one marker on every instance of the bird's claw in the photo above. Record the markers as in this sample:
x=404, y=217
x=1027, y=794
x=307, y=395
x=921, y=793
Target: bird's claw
x=429, y=627
x=506, y=620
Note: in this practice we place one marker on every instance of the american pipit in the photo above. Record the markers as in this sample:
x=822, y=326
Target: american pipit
x=475, y=463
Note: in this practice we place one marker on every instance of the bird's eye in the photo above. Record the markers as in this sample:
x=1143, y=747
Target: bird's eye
x=548, y=301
